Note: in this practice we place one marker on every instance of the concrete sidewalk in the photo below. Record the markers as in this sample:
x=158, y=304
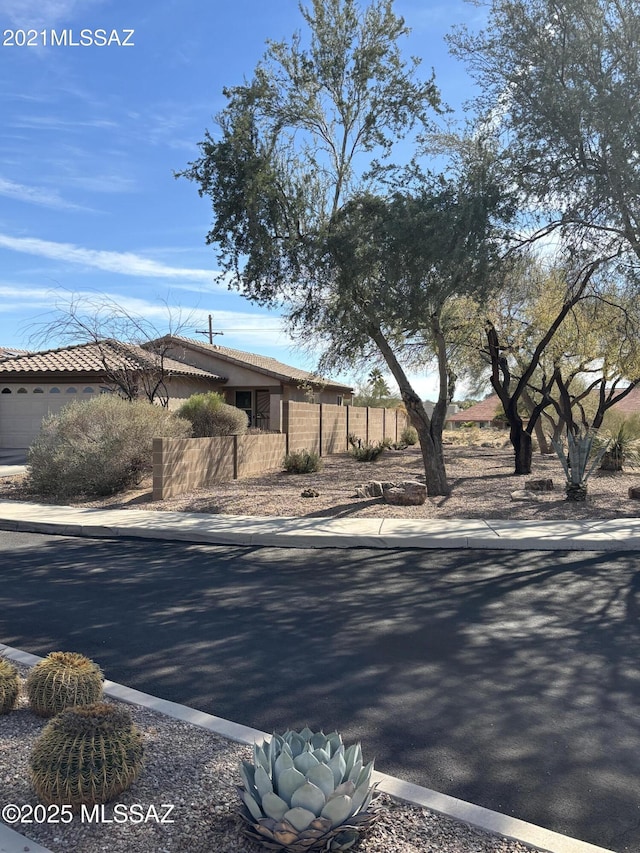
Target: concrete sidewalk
x=302, y=532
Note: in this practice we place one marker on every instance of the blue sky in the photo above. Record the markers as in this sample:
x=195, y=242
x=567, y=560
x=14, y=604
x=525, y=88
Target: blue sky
x=91, y=137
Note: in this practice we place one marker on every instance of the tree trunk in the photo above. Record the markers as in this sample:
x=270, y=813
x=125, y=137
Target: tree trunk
x=429, y=433
x=522, y=447
x=544, y=445
x=433, y=459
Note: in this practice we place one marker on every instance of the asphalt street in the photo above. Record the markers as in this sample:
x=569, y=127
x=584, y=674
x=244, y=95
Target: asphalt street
x=508, y=679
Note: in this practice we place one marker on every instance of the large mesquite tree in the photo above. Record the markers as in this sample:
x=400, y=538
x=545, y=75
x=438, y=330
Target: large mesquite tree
x=296, y=155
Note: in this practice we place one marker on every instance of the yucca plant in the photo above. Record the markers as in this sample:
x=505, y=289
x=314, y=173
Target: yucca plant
x=86, y=755
x=305, y=792
x=62, y=680
x=622, y=447
x=575, y=460
x=9, y=686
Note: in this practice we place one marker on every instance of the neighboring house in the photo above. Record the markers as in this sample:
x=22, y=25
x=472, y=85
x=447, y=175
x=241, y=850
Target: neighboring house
x=483, y=414
x=256, y=383
x=35, y=384
x=429, y=406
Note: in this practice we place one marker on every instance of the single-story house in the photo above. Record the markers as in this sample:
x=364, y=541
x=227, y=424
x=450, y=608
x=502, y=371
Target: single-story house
x=482, y=414
x=34, y=384
x=256, y=383
x=429, y=406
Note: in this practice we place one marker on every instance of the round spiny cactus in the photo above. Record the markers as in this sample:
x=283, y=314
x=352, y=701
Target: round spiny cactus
x=86, y=755
x=305, y=792
x=63, y=680
x=9, y=686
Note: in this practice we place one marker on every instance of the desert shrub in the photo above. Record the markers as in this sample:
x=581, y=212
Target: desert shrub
x=409, y=435
x=302, y=462
x=366, y=451
x=98, y=447
x=209, y=415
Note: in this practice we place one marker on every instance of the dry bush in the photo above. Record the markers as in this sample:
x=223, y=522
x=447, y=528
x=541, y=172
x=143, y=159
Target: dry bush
x=98, y=447
x=209, y=415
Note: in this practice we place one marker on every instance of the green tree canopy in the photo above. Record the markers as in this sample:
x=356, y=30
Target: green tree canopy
x=561, y=82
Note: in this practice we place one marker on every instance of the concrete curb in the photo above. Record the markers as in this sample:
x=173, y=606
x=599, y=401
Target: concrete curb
x=499, y=824
x=255, y=531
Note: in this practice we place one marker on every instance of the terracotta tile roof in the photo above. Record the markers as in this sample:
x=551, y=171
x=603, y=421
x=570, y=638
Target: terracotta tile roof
x=263, y=363
x=485, y=410
x=9, y=352
x=88, y=358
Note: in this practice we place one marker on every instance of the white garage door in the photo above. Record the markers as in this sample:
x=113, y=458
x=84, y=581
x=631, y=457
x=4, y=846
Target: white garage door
x=22, y=408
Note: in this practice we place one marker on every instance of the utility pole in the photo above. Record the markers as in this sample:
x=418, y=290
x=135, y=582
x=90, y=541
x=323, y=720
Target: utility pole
x=210, y=331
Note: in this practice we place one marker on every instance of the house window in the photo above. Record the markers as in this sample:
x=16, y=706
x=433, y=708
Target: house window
x=87, y=390
x=54, y=390
x=5, y=391
x=22, y=391
x=38, y=391
x=339, y=399
x=72, y=391
x=244, y=401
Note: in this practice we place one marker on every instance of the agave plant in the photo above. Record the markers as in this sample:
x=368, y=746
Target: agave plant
x=575, y=460
x=305, y=792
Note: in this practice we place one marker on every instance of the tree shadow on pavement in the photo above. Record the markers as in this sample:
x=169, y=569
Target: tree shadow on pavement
x=506, y=679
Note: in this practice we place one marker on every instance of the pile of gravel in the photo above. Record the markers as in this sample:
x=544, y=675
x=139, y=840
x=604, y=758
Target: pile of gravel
x=196, y=772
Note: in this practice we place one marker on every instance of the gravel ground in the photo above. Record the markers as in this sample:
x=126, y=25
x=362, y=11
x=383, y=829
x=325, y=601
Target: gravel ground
x=196, y=772
x=481, y=478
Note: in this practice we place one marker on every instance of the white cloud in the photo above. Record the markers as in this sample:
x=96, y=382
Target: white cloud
x=36, y=195
x=241, y=330
x=123, y=263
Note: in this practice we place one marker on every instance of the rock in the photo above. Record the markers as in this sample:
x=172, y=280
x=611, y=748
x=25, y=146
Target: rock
x=373, y=489
x=634, y=493
x=526, y=495
x=408, y=493
x=545, y=485
x=310, y=493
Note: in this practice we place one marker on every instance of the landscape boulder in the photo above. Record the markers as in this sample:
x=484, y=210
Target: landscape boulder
x=545, y=485
x=634, y=493
x=527, y=495
x=373, y=489
x=407, y=493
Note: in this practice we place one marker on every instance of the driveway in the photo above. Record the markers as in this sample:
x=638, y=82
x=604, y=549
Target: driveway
x=506, y=679
x=12, y=462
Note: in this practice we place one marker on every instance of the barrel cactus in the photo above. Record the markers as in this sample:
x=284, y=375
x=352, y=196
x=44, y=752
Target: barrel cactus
x=62, y=680
x=305, y=792
x=9, y=686
x=86, y=755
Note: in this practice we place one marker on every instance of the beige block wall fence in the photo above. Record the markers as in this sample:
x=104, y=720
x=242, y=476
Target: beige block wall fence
x=182, y=464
